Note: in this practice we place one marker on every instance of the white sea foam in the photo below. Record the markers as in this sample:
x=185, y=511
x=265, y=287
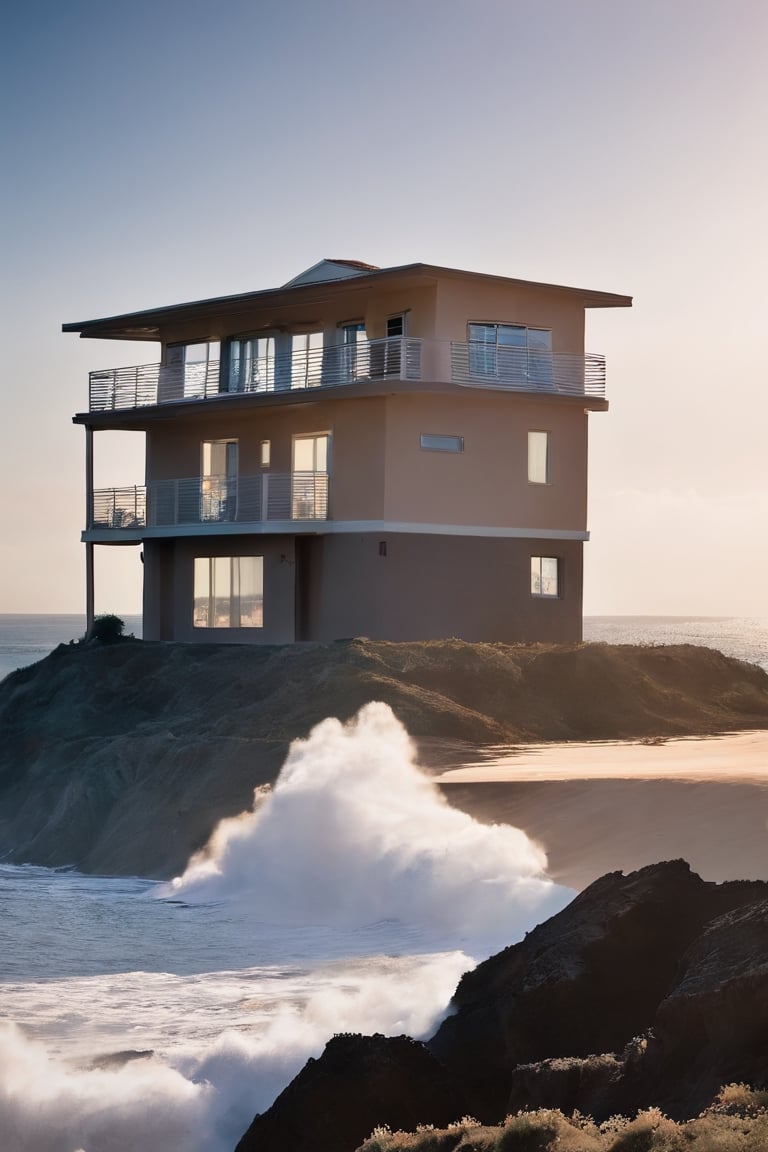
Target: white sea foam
x=200, y=1094
x=353, y=832
x=353, y=844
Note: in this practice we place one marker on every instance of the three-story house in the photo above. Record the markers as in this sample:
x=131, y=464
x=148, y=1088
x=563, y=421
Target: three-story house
x=399, y=453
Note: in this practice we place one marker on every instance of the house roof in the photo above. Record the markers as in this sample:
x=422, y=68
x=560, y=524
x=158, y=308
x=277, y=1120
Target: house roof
x=331, y=270
x=335, y=275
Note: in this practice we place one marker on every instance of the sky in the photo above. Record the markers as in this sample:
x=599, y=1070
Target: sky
x=156, y=152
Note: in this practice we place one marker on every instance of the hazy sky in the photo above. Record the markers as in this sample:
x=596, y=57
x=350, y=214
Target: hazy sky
x=162, y=151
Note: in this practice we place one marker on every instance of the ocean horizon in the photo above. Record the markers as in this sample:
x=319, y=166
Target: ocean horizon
x=26, y=637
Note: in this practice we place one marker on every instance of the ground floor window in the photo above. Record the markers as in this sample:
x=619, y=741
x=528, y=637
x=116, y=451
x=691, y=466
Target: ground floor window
x=229, y=592
x=545, y=576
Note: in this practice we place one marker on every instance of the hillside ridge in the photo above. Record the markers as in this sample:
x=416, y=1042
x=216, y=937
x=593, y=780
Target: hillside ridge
x=121, y=758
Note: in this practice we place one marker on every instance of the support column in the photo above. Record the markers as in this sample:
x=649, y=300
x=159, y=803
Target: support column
x=89, y=593
x=89, y=613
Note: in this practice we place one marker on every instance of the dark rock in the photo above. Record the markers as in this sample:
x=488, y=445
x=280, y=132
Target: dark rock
x=587, y=981
x=359, y=1083
x=666, y=970
x=571, y=1084
x=712, y=1028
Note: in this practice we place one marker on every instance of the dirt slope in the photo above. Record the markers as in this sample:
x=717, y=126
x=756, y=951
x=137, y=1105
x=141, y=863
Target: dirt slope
x=120, y=759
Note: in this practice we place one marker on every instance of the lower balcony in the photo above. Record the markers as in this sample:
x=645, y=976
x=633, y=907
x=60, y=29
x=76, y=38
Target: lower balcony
x=210, y=502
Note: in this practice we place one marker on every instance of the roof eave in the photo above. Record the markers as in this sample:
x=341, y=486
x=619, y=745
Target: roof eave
x=146, y=324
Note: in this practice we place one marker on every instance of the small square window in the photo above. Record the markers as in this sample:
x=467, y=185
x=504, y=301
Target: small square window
x=265, y=453
x=545, y=576
x=435, y=443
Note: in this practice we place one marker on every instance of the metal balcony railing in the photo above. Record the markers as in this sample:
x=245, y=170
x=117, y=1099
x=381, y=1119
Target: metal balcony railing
x=270, y=496
x=527, y=370
x=394, y=358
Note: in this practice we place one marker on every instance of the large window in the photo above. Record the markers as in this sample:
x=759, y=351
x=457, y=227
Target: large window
x=251, y=364
x=229, y=592
x=545, y=576
x=512, y=353
x=538, y=457
x=306, y=359
x=190, y=371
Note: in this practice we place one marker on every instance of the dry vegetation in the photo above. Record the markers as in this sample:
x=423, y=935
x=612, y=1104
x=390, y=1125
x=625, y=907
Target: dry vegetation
x=737, y=1121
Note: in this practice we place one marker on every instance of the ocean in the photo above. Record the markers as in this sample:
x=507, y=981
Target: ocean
x=26, y=638
x=141, y=1015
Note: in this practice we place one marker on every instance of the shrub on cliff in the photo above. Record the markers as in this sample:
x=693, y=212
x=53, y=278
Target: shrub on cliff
x=107, y=629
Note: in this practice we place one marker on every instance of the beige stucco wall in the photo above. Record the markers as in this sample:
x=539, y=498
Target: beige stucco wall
x=461, y=301
x=383, y=585
x=410, y=587
x=326, y=313
x=169, y=585
x=357, y=447
x=439, y=309
x=379, y=470
x=486, y=484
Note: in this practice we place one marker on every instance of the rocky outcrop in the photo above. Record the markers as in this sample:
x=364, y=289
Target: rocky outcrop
x=359, y=1083
x=122, y=758
x=712, y=1027
x=587, y=981
x=662, y=975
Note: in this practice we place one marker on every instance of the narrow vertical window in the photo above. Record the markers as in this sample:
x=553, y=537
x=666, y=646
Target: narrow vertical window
x=354, y=363
x=538, y=457
x=309, y=478
x=218, y=481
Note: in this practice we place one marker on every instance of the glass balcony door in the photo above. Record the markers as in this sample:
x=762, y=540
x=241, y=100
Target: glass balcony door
x=218, y=485
x=309, y=477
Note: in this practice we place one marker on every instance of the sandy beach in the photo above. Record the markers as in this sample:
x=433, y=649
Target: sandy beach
x=603, y=807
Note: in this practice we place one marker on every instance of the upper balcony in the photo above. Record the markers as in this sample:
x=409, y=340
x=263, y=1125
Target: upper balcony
x=397, y=358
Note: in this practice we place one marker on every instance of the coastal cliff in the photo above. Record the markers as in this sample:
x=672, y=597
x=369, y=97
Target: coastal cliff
x=647, y=992
x=122, y=758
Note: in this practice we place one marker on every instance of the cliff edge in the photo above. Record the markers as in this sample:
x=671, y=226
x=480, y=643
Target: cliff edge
x=121, y=758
